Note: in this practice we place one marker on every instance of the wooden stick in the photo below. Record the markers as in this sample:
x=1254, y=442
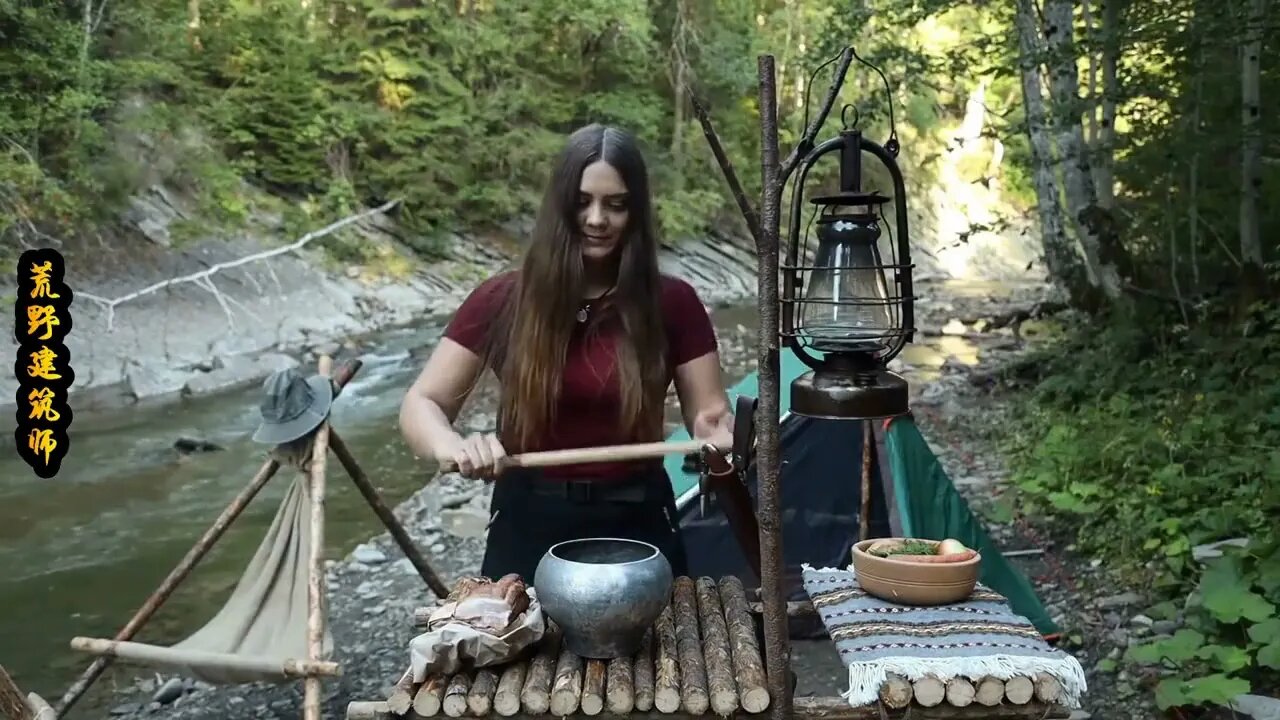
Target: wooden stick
x=607, y=453
x=693, y=671
x=929, y=691
x=768, y=448
x=593, y=687
x=642, y=673
x=715, y=649
x=506, y=699
x=455, y=694
x=315, y=581
x=566, y=690
x=896, y=692
x=990, y=691
x=806, y=708
x=864, y=515
x=795, y=608
x=747, y=665
x=13, y=705
x=1019, y=690
x=430, y=696
x=535, y=697
x=480, y=696
x=400, y=699
x=188, y=562
x=384, y=513
x=619, y=686
x=666, y=684
x=143, y=653
x=960, y=692
x=717, y=149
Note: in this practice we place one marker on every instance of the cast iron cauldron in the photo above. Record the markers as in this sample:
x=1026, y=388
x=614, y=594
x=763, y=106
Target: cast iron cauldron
x=603, y=593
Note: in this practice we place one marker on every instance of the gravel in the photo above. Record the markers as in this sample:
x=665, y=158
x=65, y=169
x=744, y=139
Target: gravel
x=374, y=591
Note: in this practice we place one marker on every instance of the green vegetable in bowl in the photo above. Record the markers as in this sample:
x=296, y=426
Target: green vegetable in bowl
x=906, y=547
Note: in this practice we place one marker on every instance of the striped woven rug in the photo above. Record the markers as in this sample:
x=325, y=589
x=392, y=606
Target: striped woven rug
x=975, y=638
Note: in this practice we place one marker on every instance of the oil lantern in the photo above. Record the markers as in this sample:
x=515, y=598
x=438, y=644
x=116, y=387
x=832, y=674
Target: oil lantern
x=848, y=313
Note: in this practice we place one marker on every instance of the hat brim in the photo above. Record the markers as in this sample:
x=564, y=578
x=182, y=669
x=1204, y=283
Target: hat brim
x=310, y=419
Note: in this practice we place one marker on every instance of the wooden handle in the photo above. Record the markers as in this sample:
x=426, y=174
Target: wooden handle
x=608, y=453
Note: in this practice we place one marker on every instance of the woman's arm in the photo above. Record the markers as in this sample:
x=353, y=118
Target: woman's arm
x=432, y=404
x=703, y=400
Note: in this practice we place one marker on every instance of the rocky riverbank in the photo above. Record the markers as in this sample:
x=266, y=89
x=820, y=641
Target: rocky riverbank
x=374, y=591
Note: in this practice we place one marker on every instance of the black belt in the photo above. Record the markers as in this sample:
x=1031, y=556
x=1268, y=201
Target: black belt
x=624, y=490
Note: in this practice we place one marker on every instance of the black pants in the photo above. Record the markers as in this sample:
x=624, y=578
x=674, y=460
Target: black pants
x=529, y=514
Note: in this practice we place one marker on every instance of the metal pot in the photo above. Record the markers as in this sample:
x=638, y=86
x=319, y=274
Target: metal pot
x=603, y=593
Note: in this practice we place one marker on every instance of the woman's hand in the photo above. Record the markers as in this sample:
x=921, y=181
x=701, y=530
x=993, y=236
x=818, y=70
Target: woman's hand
x=478, y=455
x=715, y=428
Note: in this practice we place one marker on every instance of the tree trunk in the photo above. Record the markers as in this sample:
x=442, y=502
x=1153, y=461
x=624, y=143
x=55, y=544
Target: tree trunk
x=1089, y=220
x=1062, y=261
x=1104, y=155
x=678, y=59
x=1251, y=152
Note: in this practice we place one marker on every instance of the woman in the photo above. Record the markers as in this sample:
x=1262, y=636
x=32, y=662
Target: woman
x=585, y=339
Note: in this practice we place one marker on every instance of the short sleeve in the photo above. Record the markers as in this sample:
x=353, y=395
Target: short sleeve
x=472, y=322
x=690, y=334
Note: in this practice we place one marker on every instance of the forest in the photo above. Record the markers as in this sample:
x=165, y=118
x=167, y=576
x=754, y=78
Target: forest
x=1136, y=134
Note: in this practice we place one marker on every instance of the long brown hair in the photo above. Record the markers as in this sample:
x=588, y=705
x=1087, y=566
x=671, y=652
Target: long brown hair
x=531, y=335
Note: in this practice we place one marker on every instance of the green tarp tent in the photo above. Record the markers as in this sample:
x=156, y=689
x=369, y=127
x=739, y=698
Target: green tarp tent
x=820, y=487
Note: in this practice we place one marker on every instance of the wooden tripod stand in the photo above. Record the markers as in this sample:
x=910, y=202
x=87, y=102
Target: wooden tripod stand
x=312, y=668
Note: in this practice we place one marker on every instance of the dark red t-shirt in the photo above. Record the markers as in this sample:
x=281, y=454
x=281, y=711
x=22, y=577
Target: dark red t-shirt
x=587, y=413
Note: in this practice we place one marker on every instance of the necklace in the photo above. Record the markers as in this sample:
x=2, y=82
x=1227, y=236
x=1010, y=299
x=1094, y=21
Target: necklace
x=585, y=311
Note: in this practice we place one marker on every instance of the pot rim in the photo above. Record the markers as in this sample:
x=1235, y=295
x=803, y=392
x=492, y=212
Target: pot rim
x=653, y=551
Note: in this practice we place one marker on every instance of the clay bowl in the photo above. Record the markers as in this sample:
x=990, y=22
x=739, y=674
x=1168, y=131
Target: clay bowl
x=914, y=583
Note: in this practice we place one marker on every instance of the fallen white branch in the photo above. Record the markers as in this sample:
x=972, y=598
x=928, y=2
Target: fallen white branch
x=203, y=280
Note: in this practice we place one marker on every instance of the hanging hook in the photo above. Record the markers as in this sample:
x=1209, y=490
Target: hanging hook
x=844, y=116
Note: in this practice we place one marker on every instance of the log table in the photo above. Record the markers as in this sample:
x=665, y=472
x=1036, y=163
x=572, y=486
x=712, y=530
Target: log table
x=701, y=657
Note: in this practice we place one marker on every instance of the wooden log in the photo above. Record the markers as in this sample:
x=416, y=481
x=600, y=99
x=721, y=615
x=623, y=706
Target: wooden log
x=455, y=694
x=13, y=705
x=1019, y=690
x=666, y=670
x=506, y=699
x=896, y=692
x=400, y=699
x=693, y=671
x=806, y=708
x=960, y=692
x=316, y=605
x=748, y=666
x=721, y=687
x=1048, y=689
x=593, y=687
x=155, y=655
x=40, y=709
x=535, y=696
x=369, y=710
x=480, y=696
x=566, y=690
x=642, y=673
x=430, y=696
x=929, y=691
x=990, y=691
x=619, y=692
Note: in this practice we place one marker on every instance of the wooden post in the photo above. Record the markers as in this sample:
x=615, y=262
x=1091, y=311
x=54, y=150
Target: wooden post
x=315, y=580
x=864, y=516
x=13, y=706
x=776, y=641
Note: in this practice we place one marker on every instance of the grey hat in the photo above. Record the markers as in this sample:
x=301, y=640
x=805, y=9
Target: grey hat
x=292, y=406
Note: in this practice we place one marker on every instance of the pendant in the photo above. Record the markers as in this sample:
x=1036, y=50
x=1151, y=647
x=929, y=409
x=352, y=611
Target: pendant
x=582, y=314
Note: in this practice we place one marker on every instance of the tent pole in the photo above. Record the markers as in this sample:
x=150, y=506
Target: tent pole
x=184, y=567
x=384, y=513
x=776, y=640
x=315, y=581
x=864, y=515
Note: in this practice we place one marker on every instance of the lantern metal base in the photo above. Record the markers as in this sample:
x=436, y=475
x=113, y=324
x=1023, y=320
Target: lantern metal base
x=847, y=388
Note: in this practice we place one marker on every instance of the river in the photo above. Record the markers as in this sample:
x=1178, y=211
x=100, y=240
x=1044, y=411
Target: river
x=81, y=552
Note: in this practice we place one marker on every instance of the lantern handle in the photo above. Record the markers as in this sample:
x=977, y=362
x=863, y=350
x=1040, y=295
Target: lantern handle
x=892, y=143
